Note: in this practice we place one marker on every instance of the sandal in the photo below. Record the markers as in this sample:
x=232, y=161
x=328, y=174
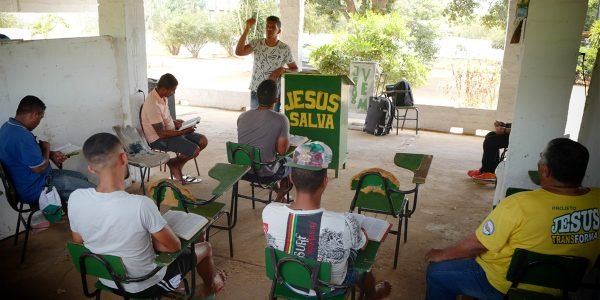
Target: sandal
x=190, y=179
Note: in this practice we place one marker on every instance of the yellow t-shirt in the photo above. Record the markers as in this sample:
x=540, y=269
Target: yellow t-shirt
x=542, y=222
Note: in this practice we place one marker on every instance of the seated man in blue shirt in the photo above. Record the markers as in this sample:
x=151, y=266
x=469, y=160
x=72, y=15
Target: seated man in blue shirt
x=27, y=161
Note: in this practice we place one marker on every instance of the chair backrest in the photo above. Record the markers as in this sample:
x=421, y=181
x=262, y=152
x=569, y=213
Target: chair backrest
x=242, y=154
x=301, y=273
x=9, y=189
x=553, y=271
x=373, y=193
x=514, y=190
x=92, y=264
x=132, y=141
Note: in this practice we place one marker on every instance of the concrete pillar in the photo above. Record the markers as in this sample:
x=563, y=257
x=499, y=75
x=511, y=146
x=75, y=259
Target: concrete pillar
x=589, y=135
x=292, y=26
x=124, y=21
x=511, y=68
x=550, y=48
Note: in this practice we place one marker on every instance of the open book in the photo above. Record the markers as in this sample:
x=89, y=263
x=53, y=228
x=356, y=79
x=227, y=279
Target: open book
x=189, y=123
x=376, y=229
x=297, y=140
x=68, y=150
x=185, y=225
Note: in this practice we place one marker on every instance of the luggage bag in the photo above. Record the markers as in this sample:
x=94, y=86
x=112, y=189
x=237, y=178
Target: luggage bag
x=380, y=115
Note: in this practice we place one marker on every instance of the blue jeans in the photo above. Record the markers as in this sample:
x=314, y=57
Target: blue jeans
x=66, y=181
x=254, y=102
x=448, y=279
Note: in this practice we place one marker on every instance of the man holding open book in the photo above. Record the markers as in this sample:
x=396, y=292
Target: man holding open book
x=165, y=134
x=304, y=229
x=108, y=220
x=27, y=160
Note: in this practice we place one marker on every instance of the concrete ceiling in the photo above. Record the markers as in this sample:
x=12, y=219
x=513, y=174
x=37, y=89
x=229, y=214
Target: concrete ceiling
x=42, y=6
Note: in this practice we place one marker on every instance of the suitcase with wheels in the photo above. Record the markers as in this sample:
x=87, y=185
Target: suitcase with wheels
x=380, y=115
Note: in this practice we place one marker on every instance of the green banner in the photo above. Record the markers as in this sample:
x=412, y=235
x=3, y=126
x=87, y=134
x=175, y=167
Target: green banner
x=316, y=109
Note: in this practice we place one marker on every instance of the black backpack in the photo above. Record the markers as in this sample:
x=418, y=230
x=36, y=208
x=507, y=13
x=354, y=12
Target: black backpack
x=400, y=93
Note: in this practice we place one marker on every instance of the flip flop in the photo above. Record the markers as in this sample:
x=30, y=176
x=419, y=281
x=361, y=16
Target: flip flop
x=191, y=179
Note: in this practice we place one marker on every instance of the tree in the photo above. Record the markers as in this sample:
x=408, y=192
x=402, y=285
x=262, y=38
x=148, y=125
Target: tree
x=258, y=9
x=423, y=19
x=496, y=15
x=460, y=11
x=463, y=11
x=194, y=31
x=46, y=24
x=349, y=7
x=224, y=33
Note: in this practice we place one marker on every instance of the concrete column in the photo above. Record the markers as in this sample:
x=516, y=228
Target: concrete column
x=124, y=21
x=292, y=26
x=511, y=68
x=588, y=135
x=550, y=48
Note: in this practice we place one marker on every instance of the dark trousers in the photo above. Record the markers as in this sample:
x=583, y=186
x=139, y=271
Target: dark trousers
x=491, y=145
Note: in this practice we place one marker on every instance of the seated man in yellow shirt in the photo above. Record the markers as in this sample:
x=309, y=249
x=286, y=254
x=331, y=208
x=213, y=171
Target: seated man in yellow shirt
x=560, y=218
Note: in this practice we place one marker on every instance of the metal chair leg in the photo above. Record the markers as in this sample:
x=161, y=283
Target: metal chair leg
x=27, y=229
x=417, y=127
x=197, y=170
x=405, y=222
x=397, y=242
x=19, y=220
x=143, y=175
x=230, y=233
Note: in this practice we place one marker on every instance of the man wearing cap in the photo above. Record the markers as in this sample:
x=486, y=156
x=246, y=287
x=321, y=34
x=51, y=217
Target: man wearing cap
x=268, y=131
x=304, y=229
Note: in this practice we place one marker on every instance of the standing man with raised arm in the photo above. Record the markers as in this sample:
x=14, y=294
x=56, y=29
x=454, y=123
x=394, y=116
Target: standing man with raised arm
x=270, y=56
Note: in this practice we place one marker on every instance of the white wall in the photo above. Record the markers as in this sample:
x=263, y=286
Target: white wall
x=550, y=50
x=76, y=79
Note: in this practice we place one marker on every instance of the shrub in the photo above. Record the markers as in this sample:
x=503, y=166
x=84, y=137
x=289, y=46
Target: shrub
x=169, y=37
x=225, y=33
x=384, y=39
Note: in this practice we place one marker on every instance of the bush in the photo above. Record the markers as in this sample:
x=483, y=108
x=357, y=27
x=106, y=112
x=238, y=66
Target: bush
x=225, y=33
x=384, y=39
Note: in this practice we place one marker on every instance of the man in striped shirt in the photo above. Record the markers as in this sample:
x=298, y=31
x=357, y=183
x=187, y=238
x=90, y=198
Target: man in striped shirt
x=304, y=229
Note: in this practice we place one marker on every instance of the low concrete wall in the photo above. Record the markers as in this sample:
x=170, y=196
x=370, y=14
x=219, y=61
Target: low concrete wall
x=232, y=100
x=435, y=118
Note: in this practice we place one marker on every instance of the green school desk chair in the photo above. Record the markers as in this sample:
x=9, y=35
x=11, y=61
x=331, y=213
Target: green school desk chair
x=246, y=155
x=17, y=205
x=286, y=270
x=112, y=268
x=377, y=194
x=553, y=271
x=139, y=153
